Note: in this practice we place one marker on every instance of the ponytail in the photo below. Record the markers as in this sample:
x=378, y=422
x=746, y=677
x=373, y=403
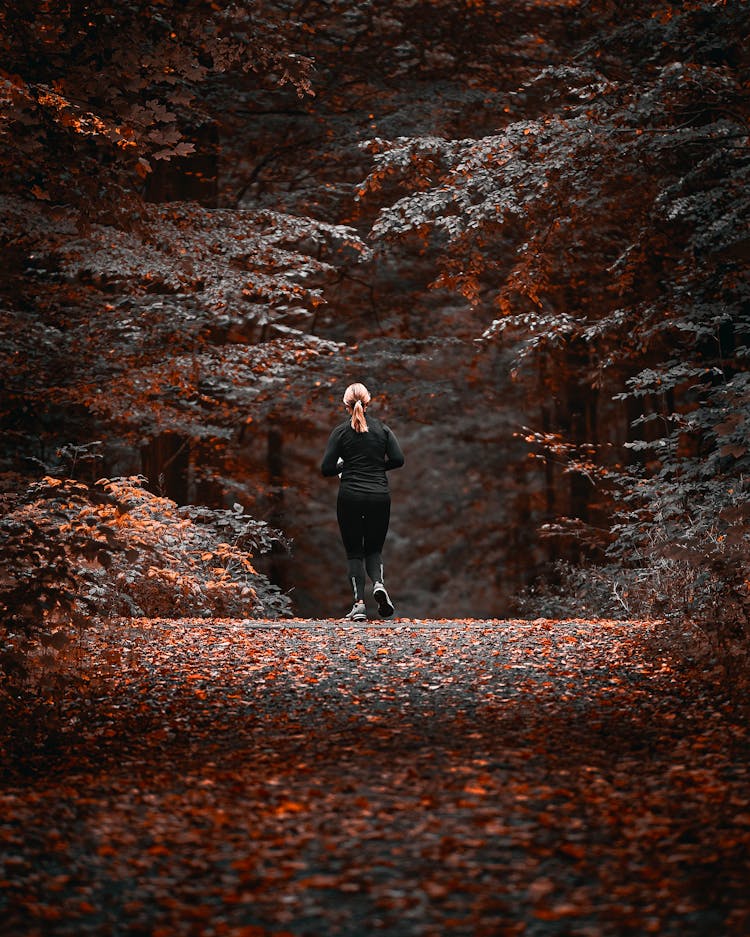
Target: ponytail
x=359, y=423
x=357, y=397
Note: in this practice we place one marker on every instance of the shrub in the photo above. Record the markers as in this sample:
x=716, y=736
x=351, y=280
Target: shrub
x=75, y=550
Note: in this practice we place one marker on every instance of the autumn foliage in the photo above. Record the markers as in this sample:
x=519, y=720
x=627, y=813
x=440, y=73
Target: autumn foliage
x=76, y=552
x=524, y=225
x=468, y=778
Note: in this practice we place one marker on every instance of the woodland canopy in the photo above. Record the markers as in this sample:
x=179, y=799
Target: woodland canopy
x=524, y=225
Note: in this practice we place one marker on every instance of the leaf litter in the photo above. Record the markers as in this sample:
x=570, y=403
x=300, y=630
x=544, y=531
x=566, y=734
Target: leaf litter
x=231, y=778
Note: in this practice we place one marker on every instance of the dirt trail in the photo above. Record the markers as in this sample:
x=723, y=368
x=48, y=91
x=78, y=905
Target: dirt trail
x=414, y=779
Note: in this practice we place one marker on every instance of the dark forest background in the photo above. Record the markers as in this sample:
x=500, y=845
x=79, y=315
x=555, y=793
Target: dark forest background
x=524, y=225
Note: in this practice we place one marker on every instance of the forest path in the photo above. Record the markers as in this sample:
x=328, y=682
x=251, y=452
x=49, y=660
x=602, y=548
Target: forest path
x=407, y=778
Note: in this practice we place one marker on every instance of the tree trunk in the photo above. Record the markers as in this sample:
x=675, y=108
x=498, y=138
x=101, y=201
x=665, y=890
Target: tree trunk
x=277, y=566
x=165, y=462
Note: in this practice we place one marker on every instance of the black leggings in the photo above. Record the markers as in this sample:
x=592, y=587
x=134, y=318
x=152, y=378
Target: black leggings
x=363, y=526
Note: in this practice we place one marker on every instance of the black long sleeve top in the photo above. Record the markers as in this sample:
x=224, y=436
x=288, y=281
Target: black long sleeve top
x=366, y=458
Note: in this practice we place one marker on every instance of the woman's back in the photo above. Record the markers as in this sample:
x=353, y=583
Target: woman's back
x=367, y=457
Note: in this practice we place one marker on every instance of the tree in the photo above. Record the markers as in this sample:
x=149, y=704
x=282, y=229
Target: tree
x=644, y=294
x=458, y=175
x=100, y=282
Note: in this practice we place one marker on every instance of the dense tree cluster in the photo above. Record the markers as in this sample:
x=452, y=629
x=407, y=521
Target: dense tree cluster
x=607, y=229
x=523, y=224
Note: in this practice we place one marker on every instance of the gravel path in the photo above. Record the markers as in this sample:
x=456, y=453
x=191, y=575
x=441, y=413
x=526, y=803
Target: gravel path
x=414, y=779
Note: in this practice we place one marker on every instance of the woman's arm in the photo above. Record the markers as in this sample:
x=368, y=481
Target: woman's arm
x=394, y=457
x=329, y=466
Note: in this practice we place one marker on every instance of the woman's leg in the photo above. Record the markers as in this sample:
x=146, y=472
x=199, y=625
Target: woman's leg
x=352, y=528
x=377, y=515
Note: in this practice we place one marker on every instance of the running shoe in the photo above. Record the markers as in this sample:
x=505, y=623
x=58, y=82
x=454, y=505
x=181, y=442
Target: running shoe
x=358, y=612
x=385, y=606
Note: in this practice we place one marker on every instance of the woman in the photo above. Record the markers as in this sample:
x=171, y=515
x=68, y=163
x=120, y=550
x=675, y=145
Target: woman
x=361, y=450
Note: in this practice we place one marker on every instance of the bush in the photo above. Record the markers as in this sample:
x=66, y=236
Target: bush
x=568, y=591
x=75, y=550
x=699, y=590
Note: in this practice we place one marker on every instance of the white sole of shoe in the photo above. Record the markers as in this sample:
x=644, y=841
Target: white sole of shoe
x=385, y=606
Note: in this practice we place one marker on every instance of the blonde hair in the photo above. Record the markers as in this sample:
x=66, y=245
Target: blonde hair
x=357, y=396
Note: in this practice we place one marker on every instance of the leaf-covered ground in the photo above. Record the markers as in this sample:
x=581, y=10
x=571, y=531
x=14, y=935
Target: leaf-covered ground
x=252, y=779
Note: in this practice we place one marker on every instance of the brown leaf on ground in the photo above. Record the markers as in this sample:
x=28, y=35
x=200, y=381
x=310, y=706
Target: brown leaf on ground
x=239, y=779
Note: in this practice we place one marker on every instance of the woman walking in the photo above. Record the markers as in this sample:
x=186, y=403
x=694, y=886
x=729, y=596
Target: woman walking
x=361, y=450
